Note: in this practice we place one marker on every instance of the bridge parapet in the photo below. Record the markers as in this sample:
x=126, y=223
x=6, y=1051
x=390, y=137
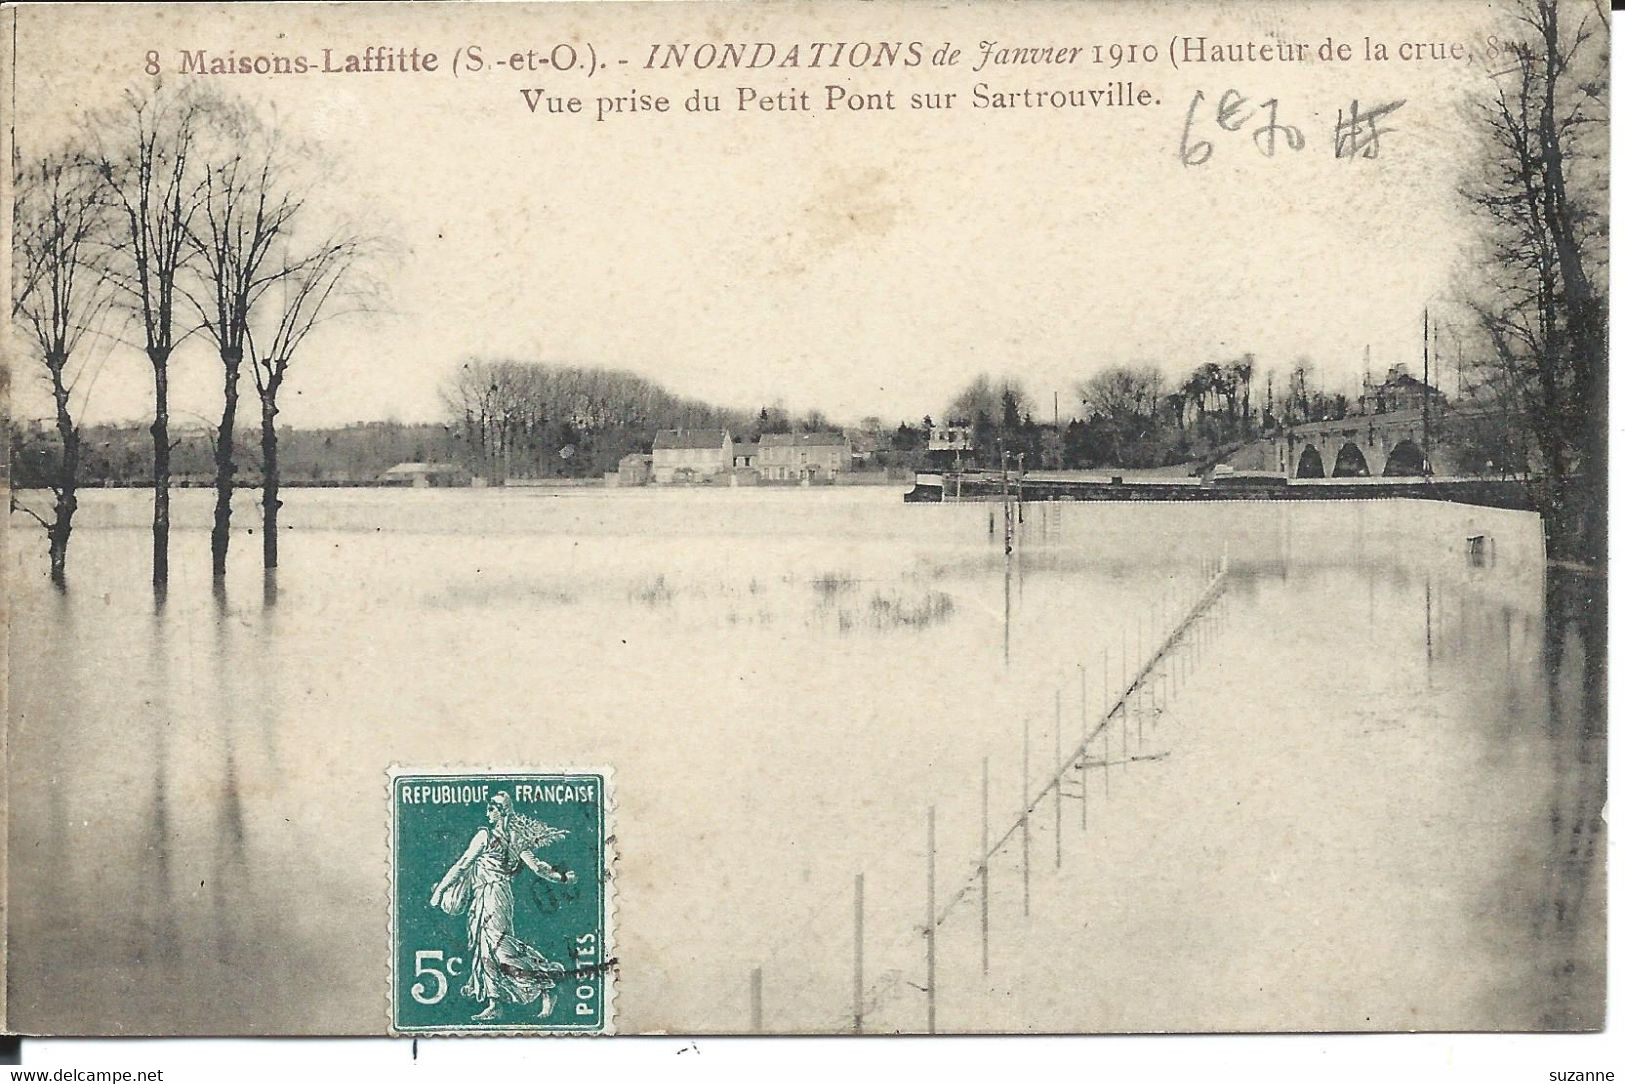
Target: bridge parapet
x=1359, y=446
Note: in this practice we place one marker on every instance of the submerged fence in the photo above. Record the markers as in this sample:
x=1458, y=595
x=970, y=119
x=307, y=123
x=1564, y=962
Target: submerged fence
x=1180, y=631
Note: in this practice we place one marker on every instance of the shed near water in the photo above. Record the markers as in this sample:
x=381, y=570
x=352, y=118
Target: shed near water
x=424, y=475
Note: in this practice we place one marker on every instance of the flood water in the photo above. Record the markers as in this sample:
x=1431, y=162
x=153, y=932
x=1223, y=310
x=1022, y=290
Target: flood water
x=1371, y=798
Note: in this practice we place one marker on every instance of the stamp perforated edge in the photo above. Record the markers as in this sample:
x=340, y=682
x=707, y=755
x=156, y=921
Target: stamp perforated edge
x=610, y=862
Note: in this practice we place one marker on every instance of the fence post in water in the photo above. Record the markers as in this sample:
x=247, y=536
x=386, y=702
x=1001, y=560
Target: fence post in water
x=931, y=921
x=756, y=1000
x=1139, y=683
x=1122, y=667
x=857, y=954
x=1106, y=723
x=1026, y=820
x=1009, y=529
x=986, y=859
x=1057, y=777
x=1083, y=757
x=1428, y=620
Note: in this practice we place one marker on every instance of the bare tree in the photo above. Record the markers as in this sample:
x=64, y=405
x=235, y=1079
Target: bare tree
x=1121, y=403
x=59, y=294
x=309, y=287
x=247, y=206
x=143, y=151
x=1539, y=189
x=516, y=417
x=1122, y=393
x=995, y=402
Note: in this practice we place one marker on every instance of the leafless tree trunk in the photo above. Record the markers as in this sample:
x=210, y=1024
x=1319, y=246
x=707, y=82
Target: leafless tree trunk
x=1584, y=102
x=59, y=294
x=272, y=500
x=1539, y=191
x=143, y=152
x=247, y=206
x=310, y=287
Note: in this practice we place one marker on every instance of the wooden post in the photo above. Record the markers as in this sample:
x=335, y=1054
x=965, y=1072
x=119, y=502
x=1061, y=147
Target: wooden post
x=1139, y=682
x=1106, y=723
x=1428, y=618
x=1026, y=820
x=1009, y=529
x=931, y=921
x=1058, y=771
x=857, y=954
x=756, y=1000
x=1122, y=667
x=986, y=859
x=1083, y=758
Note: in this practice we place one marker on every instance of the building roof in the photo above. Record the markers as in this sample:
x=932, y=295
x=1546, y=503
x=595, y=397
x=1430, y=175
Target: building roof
x=862, y=440
x=423, y=468
x=636, y=457
x=1406, y=380
x=804, y=440
x=1399, y=376
x=747, y=449
x=690, y=438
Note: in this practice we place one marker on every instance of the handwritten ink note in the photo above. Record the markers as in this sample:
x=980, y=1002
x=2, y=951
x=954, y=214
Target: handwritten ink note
x=1357, y=134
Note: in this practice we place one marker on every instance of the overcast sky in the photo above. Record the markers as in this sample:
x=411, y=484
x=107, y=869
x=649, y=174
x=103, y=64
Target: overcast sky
x=855, y=263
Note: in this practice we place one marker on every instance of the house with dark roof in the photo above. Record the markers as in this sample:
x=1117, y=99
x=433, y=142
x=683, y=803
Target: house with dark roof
x=691, y=455
x=1399, y=392
x=423, y=475
x=811, y=457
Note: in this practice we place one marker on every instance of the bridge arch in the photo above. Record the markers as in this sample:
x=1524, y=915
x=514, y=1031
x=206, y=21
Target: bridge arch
x=1310, y=464
x=1350, y=462
x=1405, y=461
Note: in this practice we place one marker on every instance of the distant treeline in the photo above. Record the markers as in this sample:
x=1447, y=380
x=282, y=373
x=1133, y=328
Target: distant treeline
x=121, y=455
x=523, y=419
x=529, y=420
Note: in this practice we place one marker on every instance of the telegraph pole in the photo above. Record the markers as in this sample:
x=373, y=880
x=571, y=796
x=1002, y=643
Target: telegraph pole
x=1426, y=445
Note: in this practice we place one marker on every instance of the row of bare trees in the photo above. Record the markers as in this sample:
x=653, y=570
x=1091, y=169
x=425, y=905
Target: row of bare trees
x=1139, y=416
x=187, y=214
x=1539, y=287
x=530, y=419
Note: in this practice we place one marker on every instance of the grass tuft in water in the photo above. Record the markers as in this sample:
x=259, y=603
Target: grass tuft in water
x=831, y=584
x=896, y=611
x=654, y=592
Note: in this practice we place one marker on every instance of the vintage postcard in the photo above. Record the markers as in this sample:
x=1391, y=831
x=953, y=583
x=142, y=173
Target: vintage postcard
x=806, y=518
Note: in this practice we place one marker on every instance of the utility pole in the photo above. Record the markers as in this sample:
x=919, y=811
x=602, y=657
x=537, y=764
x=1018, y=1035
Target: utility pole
x=1365, y=383
x=1426, y=445
x=1004, y=493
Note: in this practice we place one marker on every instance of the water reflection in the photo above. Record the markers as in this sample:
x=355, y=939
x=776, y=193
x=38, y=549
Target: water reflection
x=229, y=872
x=1574, y=662
x=236, y=733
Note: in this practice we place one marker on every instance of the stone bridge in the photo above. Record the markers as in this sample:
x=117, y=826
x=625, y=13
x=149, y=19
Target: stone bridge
x=1362, y=446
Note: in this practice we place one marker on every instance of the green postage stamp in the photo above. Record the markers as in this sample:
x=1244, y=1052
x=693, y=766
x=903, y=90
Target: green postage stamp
x=501, y=902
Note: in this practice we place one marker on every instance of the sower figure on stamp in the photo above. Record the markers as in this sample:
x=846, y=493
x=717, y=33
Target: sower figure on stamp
x=502, y=967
